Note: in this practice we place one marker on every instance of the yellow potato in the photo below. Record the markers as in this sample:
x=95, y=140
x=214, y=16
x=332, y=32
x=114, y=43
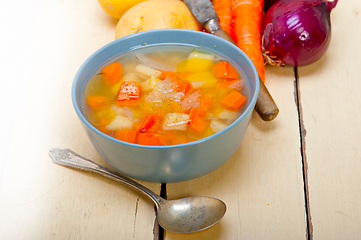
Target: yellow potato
x=156, y=14
x=116, y=8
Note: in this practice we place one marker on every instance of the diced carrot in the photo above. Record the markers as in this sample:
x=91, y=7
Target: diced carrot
x=180, y=139
x=225, y=70
x=167, y=137
x=113, y=73
x=151, y=123
x=96, y=101
x=234, y=100
x=199, y=125
x=149, y=139
x=206, y=102
x=126, y=135
x=196, y=121
x=105, y=120
x=182, y=86
x=235, y=84
x=128, y=103
x=168, y=75
x=129, y=91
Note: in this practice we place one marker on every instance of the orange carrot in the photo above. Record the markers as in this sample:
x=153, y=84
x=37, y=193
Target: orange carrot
x=206, y=102
x=225, y=70
x=223, y=9
x=168, y=75
x=149, y=139
x=246, y=20
x=182, y=86
x=113, y=73
x=129, y=93
x=236, y=84
x=151, y=123
x=166, y=138
x=196, y=121
x=96, y=101
x=234, y=100
x=126, y=135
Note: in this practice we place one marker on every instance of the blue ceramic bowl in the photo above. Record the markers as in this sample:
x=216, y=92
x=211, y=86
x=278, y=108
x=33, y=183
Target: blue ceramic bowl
x=175, y=163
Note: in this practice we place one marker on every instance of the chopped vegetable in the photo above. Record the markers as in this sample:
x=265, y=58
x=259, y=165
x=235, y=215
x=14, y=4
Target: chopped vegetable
x=217, y=126
x=235, y=84
x=149, y=84
x=206, y=103
x=225, y=70
x=182, y=86
x=96, y=101
x=147, y=71
x=168, y=75
x=198, y=54
x=196, y=120
x=175, y=121
x=126, y=135
x=234, y=100
x=149, y=139
x=128, y=92
x=194, y=65
x=113, y=73
x=202, y=80
x=120, y=122
x=149, y=122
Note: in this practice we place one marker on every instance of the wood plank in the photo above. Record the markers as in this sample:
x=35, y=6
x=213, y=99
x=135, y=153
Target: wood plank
x=262, y=184
x=41, y=200
x=330, y=102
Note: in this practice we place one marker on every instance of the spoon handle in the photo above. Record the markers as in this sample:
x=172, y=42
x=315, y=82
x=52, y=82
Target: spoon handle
x=68, y=158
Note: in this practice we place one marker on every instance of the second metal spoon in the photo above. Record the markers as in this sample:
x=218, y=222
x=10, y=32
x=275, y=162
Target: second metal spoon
x=185, y=215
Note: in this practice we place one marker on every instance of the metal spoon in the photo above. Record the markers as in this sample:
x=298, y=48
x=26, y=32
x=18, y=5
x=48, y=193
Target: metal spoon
x=185, y=215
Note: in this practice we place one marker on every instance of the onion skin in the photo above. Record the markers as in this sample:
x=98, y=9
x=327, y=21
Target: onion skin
x=297, y=32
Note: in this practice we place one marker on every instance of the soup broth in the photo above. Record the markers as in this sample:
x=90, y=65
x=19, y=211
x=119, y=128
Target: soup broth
x=165, y=95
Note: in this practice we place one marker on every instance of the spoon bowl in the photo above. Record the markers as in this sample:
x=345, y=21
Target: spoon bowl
x=191, y=214
x=185, y=215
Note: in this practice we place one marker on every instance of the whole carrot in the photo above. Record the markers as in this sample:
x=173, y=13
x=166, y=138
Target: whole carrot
x=246, y=25
x=223, y=9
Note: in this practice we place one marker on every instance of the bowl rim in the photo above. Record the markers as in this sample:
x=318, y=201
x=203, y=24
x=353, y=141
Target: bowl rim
x=157, y=31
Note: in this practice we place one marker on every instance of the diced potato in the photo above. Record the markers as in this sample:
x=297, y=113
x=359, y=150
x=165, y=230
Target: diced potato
x=204, y=55
x=120, y=122
x=147, y=71
x=228, y=115
x=202, y=80
x=217, y=126
x=132, y=77
x=195, y=65
x=176, y=121
x=149, y=84
x=117, y=110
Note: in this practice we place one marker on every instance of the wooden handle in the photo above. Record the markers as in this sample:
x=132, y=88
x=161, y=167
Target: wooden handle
x=265, y=105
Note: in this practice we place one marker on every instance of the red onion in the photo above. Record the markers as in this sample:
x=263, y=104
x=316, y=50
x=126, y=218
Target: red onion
x=297, y=32
x=268, y=3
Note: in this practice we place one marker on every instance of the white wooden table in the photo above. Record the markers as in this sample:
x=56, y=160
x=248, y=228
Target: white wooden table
x=297, y=177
